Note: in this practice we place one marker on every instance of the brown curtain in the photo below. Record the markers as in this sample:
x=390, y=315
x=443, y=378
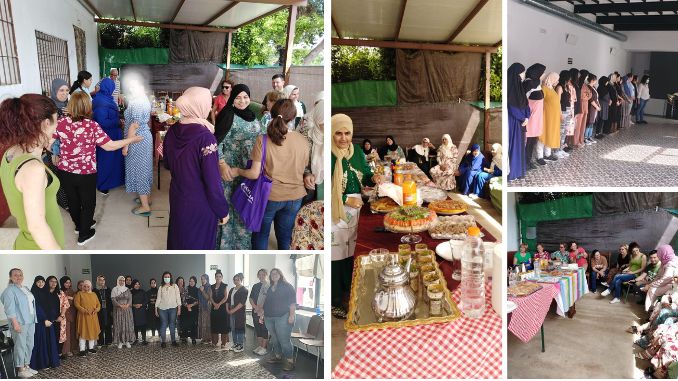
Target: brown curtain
x=425, y=76
x=188, y=46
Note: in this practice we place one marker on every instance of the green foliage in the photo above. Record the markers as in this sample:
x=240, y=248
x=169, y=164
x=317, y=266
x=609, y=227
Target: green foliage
x=495, y=77
x=114, y=36
x=353, y=63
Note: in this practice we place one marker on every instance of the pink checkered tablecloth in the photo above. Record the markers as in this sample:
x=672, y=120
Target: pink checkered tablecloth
x=464, y=348
x=531, y=312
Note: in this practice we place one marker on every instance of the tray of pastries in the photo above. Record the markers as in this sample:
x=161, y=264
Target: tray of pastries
x=523, y=289
x=409, y=219
x=430, y=194
x=447, y=207
x=383, y=205
x=452, y=227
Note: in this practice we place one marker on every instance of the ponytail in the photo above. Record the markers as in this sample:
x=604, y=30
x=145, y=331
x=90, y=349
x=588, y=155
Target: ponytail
x=282, y=112
x=21, y=120
x=82, y=76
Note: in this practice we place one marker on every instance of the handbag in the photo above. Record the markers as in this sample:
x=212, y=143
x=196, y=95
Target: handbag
x=251, y=196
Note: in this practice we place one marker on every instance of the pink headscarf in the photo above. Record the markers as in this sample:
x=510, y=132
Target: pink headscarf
x=665, y=254
x=195, y=104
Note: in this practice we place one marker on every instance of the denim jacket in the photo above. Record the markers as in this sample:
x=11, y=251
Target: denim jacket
x=16, y=305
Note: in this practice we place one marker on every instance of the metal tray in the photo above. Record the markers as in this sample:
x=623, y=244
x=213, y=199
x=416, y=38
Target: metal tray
x=360, y=314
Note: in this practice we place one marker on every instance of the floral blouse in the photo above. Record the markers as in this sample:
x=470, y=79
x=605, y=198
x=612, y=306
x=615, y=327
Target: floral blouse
x=78, y=145
x=308, y=228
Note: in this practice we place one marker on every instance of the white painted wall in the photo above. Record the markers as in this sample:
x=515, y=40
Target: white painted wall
x=651, y=41
x=54, y=17
x=512, y=227
x=535, y=36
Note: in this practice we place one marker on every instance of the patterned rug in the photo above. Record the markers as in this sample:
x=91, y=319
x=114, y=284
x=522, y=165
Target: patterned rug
x=151, y=361
x=639, y=156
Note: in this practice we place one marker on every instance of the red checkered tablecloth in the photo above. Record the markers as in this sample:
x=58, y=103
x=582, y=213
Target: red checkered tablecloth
x=531, y=312
x=464, y=348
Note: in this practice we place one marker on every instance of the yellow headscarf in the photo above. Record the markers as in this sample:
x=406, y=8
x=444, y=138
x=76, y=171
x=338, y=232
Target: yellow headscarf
x=340, y=122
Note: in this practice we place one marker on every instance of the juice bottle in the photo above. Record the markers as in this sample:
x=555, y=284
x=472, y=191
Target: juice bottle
x=409, y=191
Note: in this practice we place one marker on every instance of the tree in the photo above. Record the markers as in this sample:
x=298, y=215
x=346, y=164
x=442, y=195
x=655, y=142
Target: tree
x=354, y=63
x=495, y=77
x=113, y=36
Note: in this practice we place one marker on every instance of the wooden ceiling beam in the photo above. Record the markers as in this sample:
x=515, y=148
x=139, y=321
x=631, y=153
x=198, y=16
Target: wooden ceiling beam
x=165, y=26
x=176, y=11
x=413, y=45
x=221, y=12
x=467, y=20
x=400, y=20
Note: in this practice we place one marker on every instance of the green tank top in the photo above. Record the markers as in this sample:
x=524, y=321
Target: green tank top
x=634, y=264
x=15, y=200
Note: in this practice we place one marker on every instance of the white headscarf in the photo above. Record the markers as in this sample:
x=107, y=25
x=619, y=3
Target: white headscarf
x=496, y=158
x=287, y=90
x=446, y=147
x=118, y=290
x=315, y=133
x=421, y=150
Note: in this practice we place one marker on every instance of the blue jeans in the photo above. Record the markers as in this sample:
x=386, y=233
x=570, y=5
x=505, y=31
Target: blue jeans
x=593, y=283
x=238, y=334
x=640, y=113
x=617, y=283
x=23, y=344
x=589, y=131
x=282, y=214
x=281, y=331
x=167, y=317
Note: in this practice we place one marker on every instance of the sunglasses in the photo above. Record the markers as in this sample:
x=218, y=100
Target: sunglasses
x=226, y=87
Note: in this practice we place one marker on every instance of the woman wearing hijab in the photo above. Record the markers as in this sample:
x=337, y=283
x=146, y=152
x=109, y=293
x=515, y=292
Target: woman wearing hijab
x=493, y=170
x=45, y=349
x=236, y=131
x=59, y=95
x=663, y=281
x=349, y=173
x=391, y=151
x=236, y=305
x=419, y=154
x=123, y=322
x=594, y=108
x=139, y=306
x=110, y=164
x=139, y=160
x=443, y=173
x=315, y=124
x=151, y=296
x=518, y=116
x=204, y=330
x=603, y=125
x=368, y=149
x=87, y=326
x=70, y=345
x=181, y=284
x=197, y=201
x=471, y=165
x=535, y=124
x=292, y=92
x=563, y=92
x=549, y=140
x=190, y=310
x=59, y=303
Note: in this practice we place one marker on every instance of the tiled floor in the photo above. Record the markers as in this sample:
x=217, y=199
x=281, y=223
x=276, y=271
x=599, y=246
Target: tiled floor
x=643, y=155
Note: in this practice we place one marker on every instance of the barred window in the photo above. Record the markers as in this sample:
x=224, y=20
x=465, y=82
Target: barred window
x=52, y=60
x=9, y=59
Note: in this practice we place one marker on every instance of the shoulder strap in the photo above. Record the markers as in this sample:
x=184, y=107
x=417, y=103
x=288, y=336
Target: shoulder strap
x=263, y=153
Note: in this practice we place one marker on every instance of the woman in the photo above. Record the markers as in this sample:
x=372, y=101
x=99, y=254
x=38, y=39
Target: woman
x=271, y=98
x=613, y=112
x=494, y=170
x=316, y=126
x=523, y=257
x=286, y=156
x=637, y=263
x=586, y=94
x=348, y=162
x=368, y=149
x=578, y=255
x=598, y=270
x=561, y=255
x=191, y=310
x=58, y=304
x=204, y=329
x=518, y=116
x=541, y=253
x=236, y=131
x=605, y=101
x=279, y=315
x=594, y=108
x=643, y=97
x=663, y=281
x=419, y=154
x=70, y=345
x=219, y=321
x=167, y=308
x=391, y=151
x=575, y=102
x=622, y=264
x=110, y=164
x=291, y=92
x=197, y=202
x=59, y=95
x=535, y=100
x=139, y=306
x=563, y=91
x=443, y=173
x=237, y=299
x=221, y=99
x=29, y=186
x=151, y=297
x=88, y=306
x=549, y=140
x=181, y=283
x=79, y=136
x=123, y=321
x=139, y=156
x=82, y=83
x=45, y=351
x=471, y=165
x=257, y=297
x=20, y=309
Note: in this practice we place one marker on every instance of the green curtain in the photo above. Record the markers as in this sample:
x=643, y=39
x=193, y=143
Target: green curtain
x=109, y=58
x=560, y=209
x=364, y=94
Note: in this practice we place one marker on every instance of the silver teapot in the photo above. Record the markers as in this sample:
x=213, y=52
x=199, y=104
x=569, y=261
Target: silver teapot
x=394, y=299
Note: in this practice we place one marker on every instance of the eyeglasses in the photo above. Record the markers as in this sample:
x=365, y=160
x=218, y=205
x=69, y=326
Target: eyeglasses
x=226, y=87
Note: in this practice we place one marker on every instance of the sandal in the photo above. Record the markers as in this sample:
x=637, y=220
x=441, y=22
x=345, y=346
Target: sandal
x=136, y=212
x=138, y=201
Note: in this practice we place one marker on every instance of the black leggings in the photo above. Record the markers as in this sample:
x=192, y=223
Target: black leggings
x=529, y=149
x=142, y=329
x=82, y=199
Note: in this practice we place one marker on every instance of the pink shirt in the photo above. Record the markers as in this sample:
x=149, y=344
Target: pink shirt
x=220, y=102
x=78, y=145
x=579, y=256
x=543, y=255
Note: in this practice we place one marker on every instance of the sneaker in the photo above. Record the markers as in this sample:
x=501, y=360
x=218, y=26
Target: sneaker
x=541, y=162
x=82, y=353
x=553, y=157
x=24, y=374
x=127, y=345
x=615, y=300
x=238, y=348
x=83, y=240
x=92, y=351
x=605, y=284
x=593, y=141
x=588, y=143
x=104, y=192
x=605, y=293
x=175, y=344
x=119, y=345
x=94, y=224
x=262, y=352
x=163, y=345
x=564, y=153
x=31, y=371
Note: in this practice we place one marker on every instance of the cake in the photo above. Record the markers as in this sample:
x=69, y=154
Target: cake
x=409, y=219
x=383, y=205
x=447, y=206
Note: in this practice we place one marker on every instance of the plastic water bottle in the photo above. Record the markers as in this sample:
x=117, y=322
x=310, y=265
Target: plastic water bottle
x=472, y=275
x=537, y=268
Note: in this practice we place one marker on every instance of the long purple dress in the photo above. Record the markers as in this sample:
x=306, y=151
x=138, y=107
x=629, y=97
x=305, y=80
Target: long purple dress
x=197, y=200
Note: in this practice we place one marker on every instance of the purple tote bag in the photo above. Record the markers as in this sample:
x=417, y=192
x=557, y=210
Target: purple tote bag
x=251, y=197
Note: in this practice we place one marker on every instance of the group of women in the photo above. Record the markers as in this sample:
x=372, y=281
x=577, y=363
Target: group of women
x=88, y=150
x=552, y=114
x=53, y=319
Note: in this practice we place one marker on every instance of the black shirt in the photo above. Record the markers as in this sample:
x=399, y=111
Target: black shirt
x=278, y=301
